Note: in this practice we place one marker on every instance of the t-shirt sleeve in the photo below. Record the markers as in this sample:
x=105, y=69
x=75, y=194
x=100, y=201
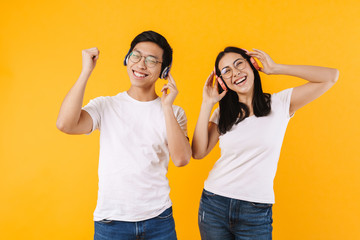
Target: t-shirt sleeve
x=94, y=108
x=181, y=119
x=215, y=116
x=285, y=97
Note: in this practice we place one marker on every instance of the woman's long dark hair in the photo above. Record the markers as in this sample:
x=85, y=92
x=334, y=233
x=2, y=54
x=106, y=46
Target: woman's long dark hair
x=231, y=110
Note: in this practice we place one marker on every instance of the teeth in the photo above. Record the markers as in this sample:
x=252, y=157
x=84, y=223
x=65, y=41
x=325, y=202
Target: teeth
x=240, y=80
x=139, y=74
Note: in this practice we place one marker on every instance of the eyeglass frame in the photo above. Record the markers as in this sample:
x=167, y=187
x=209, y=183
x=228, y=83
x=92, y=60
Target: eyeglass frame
x=146, y=57
x=221, y=75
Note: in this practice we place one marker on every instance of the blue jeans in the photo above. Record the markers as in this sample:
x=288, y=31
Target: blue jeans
x=226, y=218
x=161, y=227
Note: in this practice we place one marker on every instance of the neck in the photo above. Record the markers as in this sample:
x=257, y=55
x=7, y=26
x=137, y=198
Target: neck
x=247, y=99
x=142, y=94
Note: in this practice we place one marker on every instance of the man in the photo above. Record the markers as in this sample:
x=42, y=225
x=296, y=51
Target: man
x=138, y=132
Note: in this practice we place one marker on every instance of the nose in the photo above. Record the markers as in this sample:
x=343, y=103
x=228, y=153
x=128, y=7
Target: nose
x=141, y=63
x=236, y=72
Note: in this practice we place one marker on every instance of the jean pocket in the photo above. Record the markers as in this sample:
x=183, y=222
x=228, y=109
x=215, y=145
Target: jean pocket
x=261, y=205
x=166, y=214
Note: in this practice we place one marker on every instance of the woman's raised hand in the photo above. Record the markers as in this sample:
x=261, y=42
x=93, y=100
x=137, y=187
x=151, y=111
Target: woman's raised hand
x=211, y=92
x=269, y=65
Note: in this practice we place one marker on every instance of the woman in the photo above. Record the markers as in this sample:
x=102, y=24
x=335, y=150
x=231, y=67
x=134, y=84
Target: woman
x=237, y=199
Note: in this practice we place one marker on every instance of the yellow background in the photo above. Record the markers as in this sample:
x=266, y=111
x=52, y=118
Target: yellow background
x=48, y=179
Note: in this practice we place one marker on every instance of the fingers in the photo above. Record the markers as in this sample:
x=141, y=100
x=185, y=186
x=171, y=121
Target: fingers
x=89, y=58
x=164, y=89
x=169, y=86
x=260, y=51
x=171, y=83
x=221, y=95
x=216, y=85
x=267, y=62
x=171, y=79
x=210, y=80
x=259, y=54
x=256, y=54
x=92, y=53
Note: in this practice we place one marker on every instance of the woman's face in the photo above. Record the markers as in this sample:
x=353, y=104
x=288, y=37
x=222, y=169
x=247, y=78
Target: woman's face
x=237, y=73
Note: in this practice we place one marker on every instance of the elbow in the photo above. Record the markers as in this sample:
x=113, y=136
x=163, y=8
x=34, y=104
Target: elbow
x=62, y=127
x=335, y=76
x=182, y=162
x=197, y=155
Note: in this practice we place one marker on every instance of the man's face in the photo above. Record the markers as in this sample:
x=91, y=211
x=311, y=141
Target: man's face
x=140, y=73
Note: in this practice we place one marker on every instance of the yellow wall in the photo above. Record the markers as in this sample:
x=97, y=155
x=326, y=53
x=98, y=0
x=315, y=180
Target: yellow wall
x=48, y=180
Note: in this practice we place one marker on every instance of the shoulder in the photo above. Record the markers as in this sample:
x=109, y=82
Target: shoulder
x=282, y=96
x=179, y=113
x=215, y=116
x=178, y=109
x=103, y=101
x=119, y=96
x=281, y=101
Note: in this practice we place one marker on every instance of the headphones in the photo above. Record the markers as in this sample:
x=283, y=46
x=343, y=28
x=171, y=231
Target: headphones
x=252, y=60
x=164, y=72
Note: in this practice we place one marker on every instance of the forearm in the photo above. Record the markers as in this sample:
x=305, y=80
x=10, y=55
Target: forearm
x=200, y=142
x=70, y=109
x=179, y=146
x=313, y=74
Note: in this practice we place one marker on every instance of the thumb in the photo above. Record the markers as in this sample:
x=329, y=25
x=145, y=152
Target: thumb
x=222, y=94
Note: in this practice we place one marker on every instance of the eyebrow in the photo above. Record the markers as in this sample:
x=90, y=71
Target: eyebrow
x=233, y=63
x=147, y=55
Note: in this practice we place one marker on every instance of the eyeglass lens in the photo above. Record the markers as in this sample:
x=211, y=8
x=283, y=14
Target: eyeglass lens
x=239, y=64
x=150, y=61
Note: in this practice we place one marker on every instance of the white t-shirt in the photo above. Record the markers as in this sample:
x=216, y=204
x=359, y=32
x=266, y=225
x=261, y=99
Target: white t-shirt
x=250, y=153
x=134, y=157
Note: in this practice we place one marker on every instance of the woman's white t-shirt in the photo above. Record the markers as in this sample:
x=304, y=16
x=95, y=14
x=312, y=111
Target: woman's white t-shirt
x=249, y=154
x=134, y=157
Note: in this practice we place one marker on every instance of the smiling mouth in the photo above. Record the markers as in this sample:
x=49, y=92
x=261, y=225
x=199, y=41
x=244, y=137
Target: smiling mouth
x=139, y=75
x=241, y=80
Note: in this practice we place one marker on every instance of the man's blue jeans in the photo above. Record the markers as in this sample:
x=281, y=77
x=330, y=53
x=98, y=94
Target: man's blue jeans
x=161, y=227
x=222, y=218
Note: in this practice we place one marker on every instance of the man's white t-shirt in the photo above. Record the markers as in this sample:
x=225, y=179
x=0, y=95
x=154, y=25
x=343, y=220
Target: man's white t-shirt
x=250, y=153
x=134, y=157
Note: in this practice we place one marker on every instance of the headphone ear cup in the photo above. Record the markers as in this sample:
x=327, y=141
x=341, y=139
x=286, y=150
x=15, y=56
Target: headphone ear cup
x=126, y=60
x=252, y=60
x=127, y=56
x=165, y=73
x=254, y=63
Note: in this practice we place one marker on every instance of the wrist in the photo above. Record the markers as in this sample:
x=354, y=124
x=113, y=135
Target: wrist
x=167, y=107
x=208, y=104
x=277, y=69
x=85, y=73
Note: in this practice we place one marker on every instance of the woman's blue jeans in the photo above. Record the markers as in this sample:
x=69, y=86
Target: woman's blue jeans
x=161, y=227
x=222, y=218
